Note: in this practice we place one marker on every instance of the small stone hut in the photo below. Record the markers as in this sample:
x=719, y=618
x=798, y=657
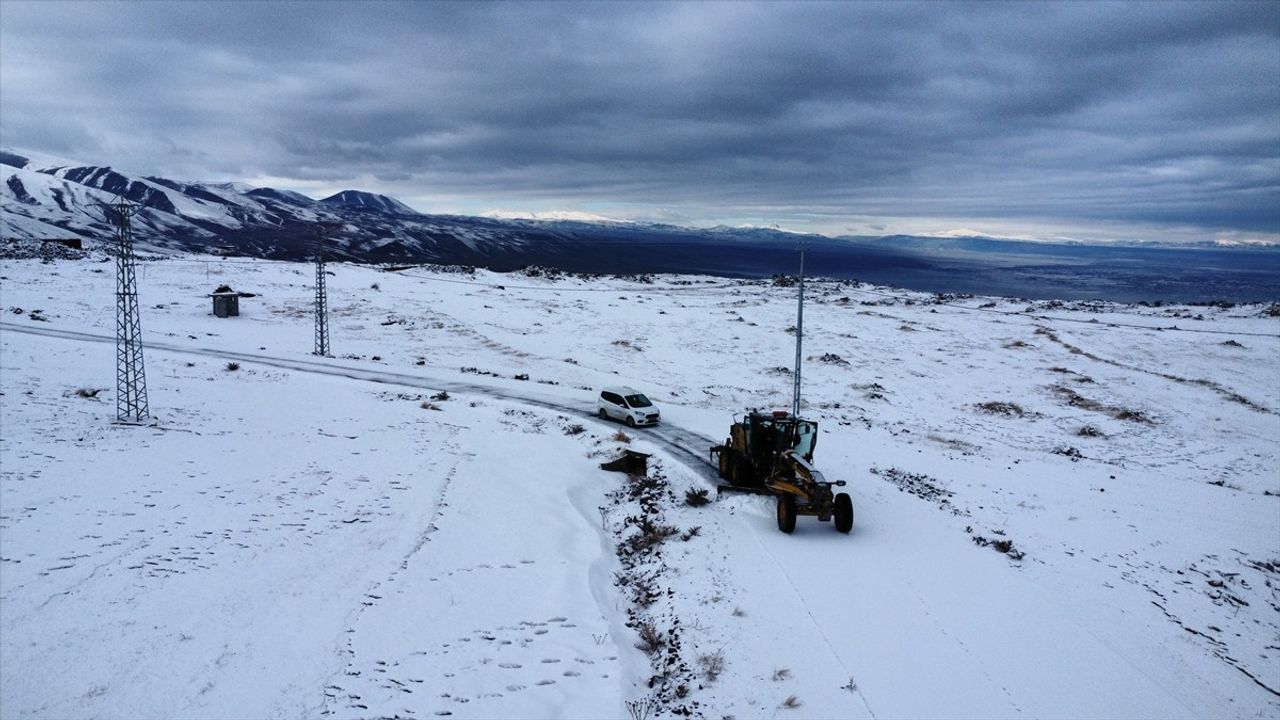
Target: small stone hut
x=226, y=302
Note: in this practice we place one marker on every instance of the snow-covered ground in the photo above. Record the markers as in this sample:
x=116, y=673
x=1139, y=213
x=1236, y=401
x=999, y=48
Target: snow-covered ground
x=408, y=529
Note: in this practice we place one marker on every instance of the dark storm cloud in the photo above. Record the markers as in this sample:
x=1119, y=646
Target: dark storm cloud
x=1155, y=115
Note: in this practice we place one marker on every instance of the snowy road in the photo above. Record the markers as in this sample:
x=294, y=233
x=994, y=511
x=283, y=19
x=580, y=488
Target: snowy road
x=690, y=447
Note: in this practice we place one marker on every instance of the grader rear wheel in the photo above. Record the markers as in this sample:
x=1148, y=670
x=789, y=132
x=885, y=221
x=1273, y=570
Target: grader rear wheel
x=786, y=512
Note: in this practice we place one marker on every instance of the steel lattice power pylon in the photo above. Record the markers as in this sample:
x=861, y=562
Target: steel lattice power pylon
x=131, y=379
x=322, y=300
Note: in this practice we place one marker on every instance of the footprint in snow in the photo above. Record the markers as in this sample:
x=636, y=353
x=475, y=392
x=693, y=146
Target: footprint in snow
x=510, y=665
x=550, y=660
x=545, y=682
x=514, y=688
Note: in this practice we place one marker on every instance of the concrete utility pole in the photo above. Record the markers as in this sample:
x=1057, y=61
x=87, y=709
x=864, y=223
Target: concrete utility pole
x=795, y=392
x=131, y=379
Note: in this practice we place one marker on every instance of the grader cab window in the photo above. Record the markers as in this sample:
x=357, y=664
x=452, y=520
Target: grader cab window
x=805, y=437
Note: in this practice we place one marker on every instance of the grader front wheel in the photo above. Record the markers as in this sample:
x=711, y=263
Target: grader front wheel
x=787, y=512
x=843, y=513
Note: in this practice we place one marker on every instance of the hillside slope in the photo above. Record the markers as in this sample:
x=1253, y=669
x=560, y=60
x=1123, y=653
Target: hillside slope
x=411, y=528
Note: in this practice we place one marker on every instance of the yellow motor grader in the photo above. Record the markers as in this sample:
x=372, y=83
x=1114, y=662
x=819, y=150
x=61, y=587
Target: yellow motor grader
x=772, y=454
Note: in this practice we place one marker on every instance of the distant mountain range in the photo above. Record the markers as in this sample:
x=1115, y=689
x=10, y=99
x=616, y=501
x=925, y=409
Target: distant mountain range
x=47, y=198
x=44, y=197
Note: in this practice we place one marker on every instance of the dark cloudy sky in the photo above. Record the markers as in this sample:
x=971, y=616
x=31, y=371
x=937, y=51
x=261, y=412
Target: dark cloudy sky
x=1079, y=120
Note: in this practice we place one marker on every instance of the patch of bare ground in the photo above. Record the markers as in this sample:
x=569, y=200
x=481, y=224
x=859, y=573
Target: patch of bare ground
x=965, y=448
x=872, y=391
x=1075, y=376
x=998, y=407
x=1076, y=400
x=999, y=544
x=932, y=489
x=922, y=486
x=830, y=358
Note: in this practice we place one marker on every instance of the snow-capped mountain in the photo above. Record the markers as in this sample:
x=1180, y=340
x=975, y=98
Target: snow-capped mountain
x=369, y=201
x=47, y=198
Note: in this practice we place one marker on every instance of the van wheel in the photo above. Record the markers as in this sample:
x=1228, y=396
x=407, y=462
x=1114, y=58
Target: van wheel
x=603, y=415
x=631, y=422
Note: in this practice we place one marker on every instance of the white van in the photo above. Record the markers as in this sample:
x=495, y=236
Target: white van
x=627, y=405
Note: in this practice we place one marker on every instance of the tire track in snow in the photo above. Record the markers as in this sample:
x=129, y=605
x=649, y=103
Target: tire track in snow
x=817, y=626
x=353, y=674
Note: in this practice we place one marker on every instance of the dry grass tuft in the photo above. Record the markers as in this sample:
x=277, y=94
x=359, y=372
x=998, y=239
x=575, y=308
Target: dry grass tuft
x=696, y=498
x=1001, y=408
x=651, y=640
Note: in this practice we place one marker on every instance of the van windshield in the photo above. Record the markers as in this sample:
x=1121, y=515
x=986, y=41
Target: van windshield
x=638, y=401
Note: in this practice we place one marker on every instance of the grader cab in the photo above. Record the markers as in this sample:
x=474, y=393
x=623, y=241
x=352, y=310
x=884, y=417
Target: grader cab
x=772, y=454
